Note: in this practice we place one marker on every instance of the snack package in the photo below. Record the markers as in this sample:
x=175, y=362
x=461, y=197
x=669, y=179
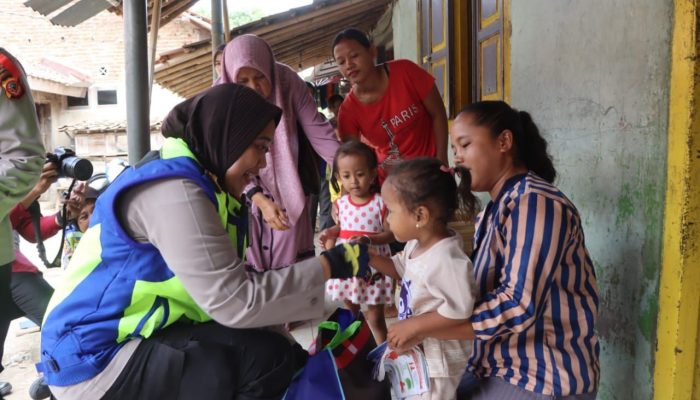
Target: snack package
x=408, y=372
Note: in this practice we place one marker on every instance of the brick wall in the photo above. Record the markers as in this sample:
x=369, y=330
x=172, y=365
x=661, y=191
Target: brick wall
x=97, y=42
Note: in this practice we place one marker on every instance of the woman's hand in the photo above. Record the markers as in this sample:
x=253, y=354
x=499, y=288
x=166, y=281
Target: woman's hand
x=76, y=200
x=273, y=215
x=404, y=335
x=49, y=175
x=348, y=260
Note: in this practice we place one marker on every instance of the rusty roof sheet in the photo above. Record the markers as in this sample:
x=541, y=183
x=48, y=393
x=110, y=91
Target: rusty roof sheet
x=300, y=38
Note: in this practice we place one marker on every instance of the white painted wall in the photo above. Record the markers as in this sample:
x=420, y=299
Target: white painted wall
x=405, y=26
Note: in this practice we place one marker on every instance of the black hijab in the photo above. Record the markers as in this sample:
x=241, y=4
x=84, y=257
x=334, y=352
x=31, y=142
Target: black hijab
x=219, y=124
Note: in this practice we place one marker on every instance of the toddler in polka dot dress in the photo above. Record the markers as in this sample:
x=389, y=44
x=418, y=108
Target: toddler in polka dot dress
x=361, y=218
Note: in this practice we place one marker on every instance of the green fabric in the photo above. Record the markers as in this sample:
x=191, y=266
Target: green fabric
x=145, y=295
x=86, y=258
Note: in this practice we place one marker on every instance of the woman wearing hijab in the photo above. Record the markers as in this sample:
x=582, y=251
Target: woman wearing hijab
x=248, y=60
x=156, y=303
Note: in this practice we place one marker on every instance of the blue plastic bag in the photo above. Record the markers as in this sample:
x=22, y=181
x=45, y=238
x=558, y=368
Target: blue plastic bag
x=318, y=380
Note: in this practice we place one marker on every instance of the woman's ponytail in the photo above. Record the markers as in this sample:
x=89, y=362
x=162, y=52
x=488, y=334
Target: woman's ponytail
x=533, y=149
x=530, y=146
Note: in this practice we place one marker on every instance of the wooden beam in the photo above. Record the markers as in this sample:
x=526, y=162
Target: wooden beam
x=193, y=80
x=175, y=11
x=155, y=25
x=334, y=20
x=310, y=41
x=189, y=92
x=166, y=78
x=342, y=8
x=174, y=63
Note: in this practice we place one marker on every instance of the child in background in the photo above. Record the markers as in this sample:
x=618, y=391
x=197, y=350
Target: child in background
x=82, y=203
x=436, y=275
x=218, y=55
x=361, y=218
x=334, y=103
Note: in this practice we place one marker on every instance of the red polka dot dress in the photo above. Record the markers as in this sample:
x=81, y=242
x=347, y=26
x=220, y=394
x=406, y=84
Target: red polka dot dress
x=356, y=220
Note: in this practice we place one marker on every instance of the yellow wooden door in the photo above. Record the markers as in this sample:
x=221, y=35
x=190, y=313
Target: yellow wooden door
x=489, y=66
x=435, y=44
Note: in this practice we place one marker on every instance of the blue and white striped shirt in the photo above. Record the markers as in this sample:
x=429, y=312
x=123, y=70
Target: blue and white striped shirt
x=538, y=305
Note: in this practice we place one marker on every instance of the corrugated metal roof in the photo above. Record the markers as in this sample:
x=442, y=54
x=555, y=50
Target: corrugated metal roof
x=73, y=12
x=300, y=38
x=79, y=12
x=46, y=7
x=169, y=9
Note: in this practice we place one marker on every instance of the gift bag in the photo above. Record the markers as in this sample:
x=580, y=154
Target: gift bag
x=351, y=340
x=318, y=379
x=348, y=340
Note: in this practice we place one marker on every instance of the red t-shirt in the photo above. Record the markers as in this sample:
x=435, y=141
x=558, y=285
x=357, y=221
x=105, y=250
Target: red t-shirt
x=22, y=223
x=400, y=111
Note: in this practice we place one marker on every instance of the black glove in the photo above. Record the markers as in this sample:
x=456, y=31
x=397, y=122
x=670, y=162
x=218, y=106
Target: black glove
x=348, y=260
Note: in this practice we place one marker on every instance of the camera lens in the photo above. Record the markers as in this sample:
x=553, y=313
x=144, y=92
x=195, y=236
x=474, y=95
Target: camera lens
x=78, y=168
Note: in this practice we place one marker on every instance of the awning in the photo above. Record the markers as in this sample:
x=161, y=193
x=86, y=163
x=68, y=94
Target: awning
x=73, y=12
x=325, y=73
x=300, y=38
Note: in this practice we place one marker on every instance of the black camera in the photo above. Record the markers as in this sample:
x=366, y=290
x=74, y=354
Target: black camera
x=69, y=165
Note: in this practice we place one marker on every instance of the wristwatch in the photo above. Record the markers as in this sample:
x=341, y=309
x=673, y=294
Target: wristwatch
x=252, y=192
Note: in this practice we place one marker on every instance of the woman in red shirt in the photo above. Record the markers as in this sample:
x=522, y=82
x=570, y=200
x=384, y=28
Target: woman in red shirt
x=395, y=107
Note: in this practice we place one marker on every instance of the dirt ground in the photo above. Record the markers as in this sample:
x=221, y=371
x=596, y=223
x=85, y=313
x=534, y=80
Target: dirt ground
x=22, y=345
x=21, y=352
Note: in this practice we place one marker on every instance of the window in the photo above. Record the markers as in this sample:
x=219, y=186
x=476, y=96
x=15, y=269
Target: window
x=106, y=97
x=78, y=101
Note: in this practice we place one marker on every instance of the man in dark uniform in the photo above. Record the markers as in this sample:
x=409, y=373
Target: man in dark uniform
x=21, y=160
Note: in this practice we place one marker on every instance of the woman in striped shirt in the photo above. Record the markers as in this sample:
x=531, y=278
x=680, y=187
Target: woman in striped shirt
x=534, y=324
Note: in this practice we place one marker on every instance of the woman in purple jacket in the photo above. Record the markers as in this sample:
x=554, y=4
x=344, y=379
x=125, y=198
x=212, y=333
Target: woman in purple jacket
x=278, y=198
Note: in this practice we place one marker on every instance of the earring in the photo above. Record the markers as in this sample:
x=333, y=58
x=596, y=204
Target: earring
x=418, y=226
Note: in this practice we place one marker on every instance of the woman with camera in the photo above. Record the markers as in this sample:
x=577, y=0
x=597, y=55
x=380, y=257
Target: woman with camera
x=157, y=304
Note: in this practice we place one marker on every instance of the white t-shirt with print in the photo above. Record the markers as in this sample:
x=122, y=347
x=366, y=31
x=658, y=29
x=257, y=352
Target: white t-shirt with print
x=441, y=279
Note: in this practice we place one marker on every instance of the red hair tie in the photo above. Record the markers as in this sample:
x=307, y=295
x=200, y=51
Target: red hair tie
x=445, y=168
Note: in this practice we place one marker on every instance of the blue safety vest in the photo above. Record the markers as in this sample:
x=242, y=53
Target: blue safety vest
x=117, y=289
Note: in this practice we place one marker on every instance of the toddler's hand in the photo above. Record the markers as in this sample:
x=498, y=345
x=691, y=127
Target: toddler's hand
x=404, y=335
